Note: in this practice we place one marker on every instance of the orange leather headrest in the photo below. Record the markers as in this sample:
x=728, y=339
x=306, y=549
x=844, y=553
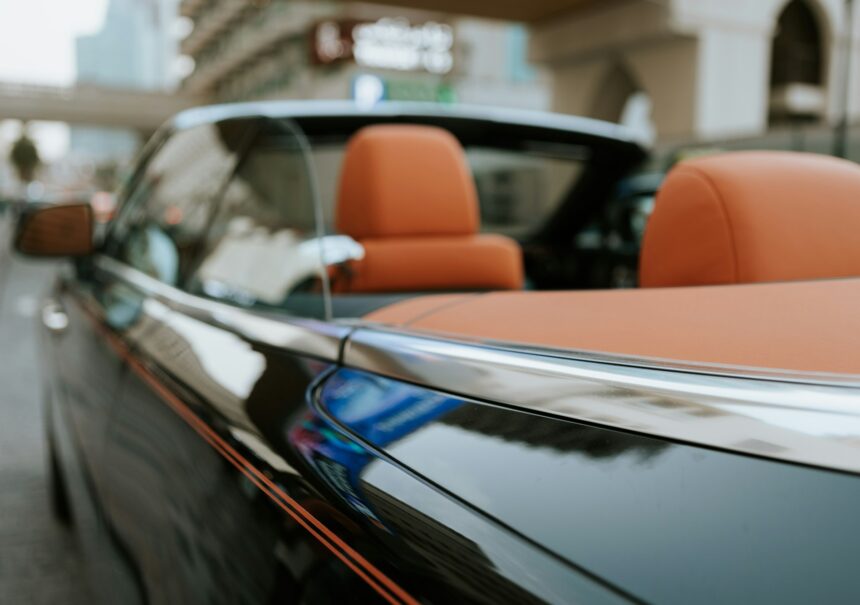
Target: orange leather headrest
x=403, y=180
x=754, y=216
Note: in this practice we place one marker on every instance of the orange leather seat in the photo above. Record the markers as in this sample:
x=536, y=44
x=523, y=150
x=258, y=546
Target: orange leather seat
x=407, y=195
x=742, y=217
x=810, y=326
x=754, y=216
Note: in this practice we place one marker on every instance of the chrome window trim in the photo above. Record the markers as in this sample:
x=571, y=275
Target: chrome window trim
x=812, y=420
x=304, y=336
x=654, y=363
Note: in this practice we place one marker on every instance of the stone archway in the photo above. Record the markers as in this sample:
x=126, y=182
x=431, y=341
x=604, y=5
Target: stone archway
x=798, y=66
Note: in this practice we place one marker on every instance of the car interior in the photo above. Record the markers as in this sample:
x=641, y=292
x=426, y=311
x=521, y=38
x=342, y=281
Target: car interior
x=560, y=194
x=738, y=218
x=438, y=204
x=746, y=262
x=406, y=192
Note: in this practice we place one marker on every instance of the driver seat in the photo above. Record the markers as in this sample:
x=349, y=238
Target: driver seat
x=407, y=195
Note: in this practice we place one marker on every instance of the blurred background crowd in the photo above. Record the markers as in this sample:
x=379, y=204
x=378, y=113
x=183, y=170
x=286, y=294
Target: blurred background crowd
x=84, y=83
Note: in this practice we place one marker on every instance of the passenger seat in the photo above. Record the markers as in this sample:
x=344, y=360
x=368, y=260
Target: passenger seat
x=408, y=196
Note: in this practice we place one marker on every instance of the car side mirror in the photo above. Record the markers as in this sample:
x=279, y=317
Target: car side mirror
x=59, y=230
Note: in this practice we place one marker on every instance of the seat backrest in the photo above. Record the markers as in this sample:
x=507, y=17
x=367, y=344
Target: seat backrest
x=754, y=216
x=407, y=195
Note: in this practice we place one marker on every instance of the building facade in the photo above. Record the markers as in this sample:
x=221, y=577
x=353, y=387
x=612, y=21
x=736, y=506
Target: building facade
x=679, y=70
x=135, y=49
x=288, y=49
x=712, y=69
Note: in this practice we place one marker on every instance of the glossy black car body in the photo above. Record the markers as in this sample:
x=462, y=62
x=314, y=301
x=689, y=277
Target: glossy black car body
x=212, y=453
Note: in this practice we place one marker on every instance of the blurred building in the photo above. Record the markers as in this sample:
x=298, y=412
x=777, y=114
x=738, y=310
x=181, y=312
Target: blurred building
x=135, y=49
x=712, y=70
x=685, y=70
x=290, y=49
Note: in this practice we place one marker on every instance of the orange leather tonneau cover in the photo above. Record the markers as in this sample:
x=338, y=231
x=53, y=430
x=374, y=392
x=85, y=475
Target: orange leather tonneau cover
x=811, y=326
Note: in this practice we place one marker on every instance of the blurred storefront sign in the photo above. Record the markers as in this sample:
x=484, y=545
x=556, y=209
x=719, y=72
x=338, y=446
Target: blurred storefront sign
x=331, y=42
x=385, y=44
x=369, y=89
x=319, y=50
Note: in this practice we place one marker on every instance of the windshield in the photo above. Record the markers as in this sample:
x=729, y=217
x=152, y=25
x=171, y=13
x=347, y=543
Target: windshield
x=518, y=189
x=261, y=246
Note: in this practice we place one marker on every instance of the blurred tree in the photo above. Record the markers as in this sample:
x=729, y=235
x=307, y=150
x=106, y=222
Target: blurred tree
x=25, y=157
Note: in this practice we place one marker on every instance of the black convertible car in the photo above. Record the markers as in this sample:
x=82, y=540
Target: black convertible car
x=330, y=355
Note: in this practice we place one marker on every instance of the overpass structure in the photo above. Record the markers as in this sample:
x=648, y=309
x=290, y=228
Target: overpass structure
x=143, y=111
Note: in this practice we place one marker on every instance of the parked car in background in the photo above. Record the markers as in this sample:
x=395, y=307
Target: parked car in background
x=324, y=354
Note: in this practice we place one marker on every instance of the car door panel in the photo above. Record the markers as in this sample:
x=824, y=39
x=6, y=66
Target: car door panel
x=635, y=508
x=230, y=486
x=86, y=365
x=113, y=577
x=203, y=486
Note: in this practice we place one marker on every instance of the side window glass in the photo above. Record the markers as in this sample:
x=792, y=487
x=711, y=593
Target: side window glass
x=262, y=248
x=162, y=223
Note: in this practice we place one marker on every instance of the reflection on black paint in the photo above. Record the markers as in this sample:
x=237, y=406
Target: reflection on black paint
x=665, y=522
x=453, y=549
x=536, y=431
x=197, y=529
x=122, y=305
x=273, y=399
x=441, y=551
x=379, y=410
x=163, y=476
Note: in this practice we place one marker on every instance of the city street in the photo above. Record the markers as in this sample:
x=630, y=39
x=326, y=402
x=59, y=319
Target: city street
x=39, y=560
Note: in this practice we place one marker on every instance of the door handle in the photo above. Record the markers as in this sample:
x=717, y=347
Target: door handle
x=54, y=318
